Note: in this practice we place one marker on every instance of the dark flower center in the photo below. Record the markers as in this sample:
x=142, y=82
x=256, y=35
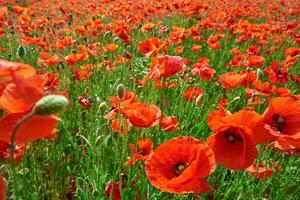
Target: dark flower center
x=141, y=152
x=179, y=167
x=278, y=121
x=232, y=138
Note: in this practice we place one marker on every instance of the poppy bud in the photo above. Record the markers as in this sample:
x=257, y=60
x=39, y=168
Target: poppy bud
x=120, y=90
x=259, y=73
x=108, y=33
x=102, y=106
x=50, y=104
x=200, y=100
x=108, y=141
x=116, y=39
x=236, y=99
x=21, y=51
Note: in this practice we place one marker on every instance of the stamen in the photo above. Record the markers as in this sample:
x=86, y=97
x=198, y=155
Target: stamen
x=180, y=167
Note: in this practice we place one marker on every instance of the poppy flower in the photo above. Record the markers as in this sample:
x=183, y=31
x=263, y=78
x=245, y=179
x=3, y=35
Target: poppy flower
x=110, y=47
x=260, y=171
x=150, y=47
x=282, y=119
x=21, y=94
x=277, y=74
x=169, y=123
x=112, y=190
x=128, y=97
x=180, y=166
x=122, y=33
x=192, y=93
x=48, y=60
x=177, y=35
x=121, y=126
x=196, y=48
x=283, y=146
x=234, y=143
x=20, y=69
x=17, y=100
x=84, y=102
x=147, y=27
x=166, y=66
x=261, y=88
x=65, y=42
x=230, y=80
x=5, y=149
x=141, y=114
x=142, y=153
x=78, y=56
x=52, y=81
x=35, y=128
x=18, y=9
x=255, y=61
x=203, y=69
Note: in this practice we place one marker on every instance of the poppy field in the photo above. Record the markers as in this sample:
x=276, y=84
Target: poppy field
x=150, y=100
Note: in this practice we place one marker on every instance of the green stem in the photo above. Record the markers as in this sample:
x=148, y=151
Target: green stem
x=12, y=148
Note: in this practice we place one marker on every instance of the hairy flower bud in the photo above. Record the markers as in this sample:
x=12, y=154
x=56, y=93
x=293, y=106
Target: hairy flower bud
x=259, y=73
x=120, y=90
x=51, y=104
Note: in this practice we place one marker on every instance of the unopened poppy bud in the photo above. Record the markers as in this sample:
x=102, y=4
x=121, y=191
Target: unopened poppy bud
x=21, y=51
x=108, y=33
x=120, y=90
x=116, y=39
x=108, y=141
x=102, y=106
x=259, y=74
x=50, y=104
x=236, y=98
x=200, y=100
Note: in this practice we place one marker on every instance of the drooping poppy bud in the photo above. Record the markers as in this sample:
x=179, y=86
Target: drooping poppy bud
x=200, y=100
x=51, y=104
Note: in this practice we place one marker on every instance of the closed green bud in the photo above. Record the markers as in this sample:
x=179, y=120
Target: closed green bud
x=51, y=104
x=200, y=100
x=102, y=106
x=259, y=73
x=120, y=90
x=116, y=39
x=108, y=33
x=21, y=51
x=108, y=141
x=236, y=99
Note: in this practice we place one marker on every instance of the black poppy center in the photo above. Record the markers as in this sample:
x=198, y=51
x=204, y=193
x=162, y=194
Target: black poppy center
x=232, y=138
x=278, y=121
x=141, y=152
x=179, y=167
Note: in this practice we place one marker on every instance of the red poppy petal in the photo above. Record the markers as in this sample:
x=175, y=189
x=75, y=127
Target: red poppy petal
x=35, y=128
